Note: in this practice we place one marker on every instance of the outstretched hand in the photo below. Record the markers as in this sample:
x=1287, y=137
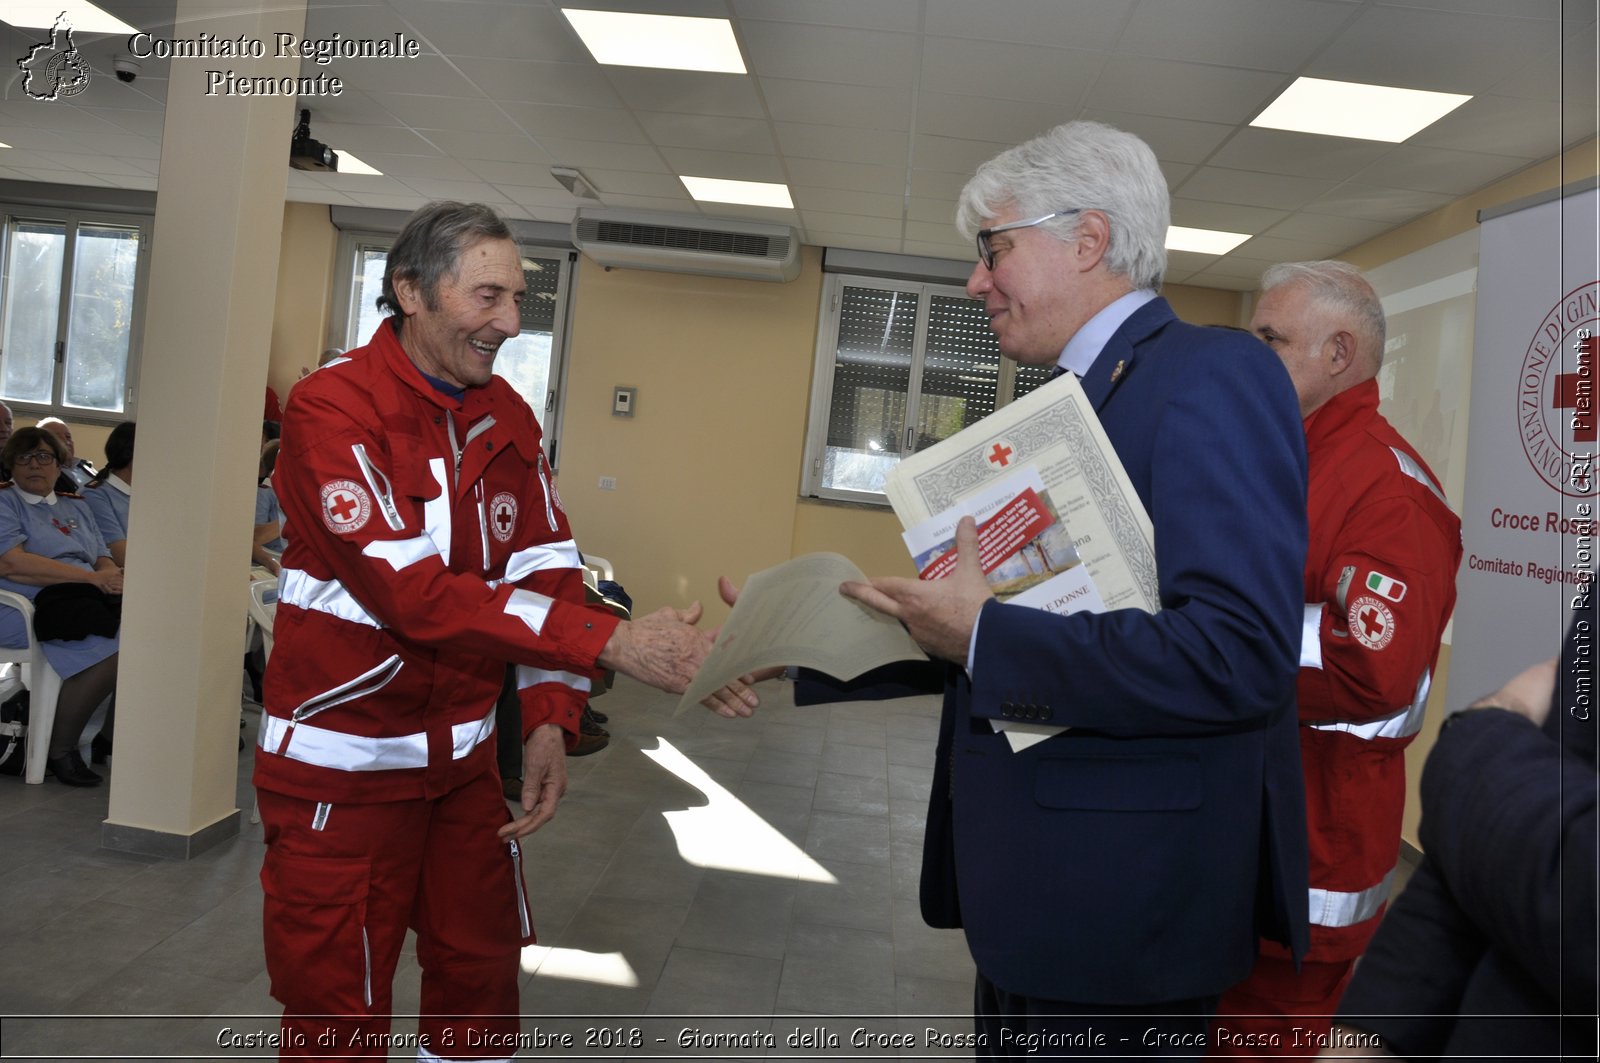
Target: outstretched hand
x=665, y=650
x=544, y=780
x=940, y=614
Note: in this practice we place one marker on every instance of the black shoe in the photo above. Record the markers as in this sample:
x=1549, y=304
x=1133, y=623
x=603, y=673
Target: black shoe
x=589, y=724
x=99, y=749
x=71, y=770
x=589, y=743
x=597, y=716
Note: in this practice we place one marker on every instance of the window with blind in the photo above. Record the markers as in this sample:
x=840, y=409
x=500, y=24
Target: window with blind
x=900, y=366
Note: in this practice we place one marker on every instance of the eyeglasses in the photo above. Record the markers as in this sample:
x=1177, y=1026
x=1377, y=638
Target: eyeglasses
x=37, y=457
x=986, y=253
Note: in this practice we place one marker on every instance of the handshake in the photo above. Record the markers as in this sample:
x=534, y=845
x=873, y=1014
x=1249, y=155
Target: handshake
x=665, y=650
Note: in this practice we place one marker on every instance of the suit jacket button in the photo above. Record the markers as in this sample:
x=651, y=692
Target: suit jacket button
x=1045, y=712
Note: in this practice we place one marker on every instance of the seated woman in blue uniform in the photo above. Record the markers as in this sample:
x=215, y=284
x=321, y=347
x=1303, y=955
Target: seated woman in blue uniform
x=110, y=491
x=51, y=540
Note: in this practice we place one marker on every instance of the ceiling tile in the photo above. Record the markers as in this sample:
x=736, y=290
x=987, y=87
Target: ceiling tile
x=815, y=103
x=845, y=201
x=577, y=123
x=473, y=115
x=633, y=183
x=944, y=114
x=466, y=29
x=1186, y=90
x=686, y=91
x=1221, y=185
x=1342, y=233
x=1061, y=77
x=1229, y=217
x=1254, y=34
x=1438, y=169
x=1372, y=203
x=851, y=223
x=727, y=165
x=899, y=15
x=953, y=156
x=707, y=132
x=886, y=180
x=429, y=166
x=567, y=84
x=829, y=54
x=1441, y=51
x=1280, y=151
x=878, y=147
x=1499, y=126
x=1091, y=24
x=589, y=155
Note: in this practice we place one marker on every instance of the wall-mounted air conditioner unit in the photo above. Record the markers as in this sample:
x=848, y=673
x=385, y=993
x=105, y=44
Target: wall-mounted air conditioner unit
x=678, y=243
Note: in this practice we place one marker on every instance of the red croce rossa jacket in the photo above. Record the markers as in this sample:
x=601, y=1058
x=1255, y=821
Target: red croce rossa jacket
x=427, y=547
x=1380, y=586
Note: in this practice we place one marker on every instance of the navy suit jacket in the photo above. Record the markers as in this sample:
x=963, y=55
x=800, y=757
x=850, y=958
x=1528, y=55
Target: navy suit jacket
x=1135, y=858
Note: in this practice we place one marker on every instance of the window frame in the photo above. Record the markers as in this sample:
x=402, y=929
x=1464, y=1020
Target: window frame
x=73, y=219
x=820, y=408
x=345, y=317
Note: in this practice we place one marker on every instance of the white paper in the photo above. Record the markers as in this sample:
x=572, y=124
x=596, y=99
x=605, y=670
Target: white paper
x=1052, y=438
x=793, y=614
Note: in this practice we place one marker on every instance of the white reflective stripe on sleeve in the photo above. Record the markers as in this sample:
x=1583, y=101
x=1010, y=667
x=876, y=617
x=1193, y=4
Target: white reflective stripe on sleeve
x=536, y=558
x=527, y=677
x=297, y=588
x=401, y=553
x=327, y=748
x=1409, y=466
x=1402, y=723
x=436, y=511
x=1335, y=908
x=532, y=609
x=1311, y=637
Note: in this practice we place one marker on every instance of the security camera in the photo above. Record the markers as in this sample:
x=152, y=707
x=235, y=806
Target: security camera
x=127, y=68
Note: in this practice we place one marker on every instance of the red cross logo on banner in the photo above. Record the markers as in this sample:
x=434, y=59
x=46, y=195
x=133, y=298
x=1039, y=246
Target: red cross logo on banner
x=1000, y=455
x=1371, y=622
x=503, y=515
x=346, y=506
x=1570, y=385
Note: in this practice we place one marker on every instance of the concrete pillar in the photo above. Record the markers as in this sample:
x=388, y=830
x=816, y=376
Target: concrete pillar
x=213, y=274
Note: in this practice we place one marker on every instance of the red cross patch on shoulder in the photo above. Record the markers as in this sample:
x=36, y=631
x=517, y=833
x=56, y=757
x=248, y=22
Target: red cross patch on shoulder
x=346, y=506
x=1371, y=622
x=503, y=516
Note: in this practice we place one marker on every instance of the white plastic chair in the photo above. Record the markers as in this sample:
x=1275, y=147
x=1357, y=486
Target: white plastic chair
x=595, y=569
x=44, y=687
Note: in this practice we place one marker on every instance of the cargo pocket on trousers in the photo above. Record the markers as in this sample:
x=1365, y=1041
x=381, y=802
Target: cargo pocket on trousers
x=315, y=918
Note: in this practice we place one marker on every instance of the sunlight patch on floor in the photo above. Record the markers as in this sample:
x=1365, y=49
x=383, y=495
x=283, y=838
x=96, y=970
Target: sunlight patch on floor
x=725, y=834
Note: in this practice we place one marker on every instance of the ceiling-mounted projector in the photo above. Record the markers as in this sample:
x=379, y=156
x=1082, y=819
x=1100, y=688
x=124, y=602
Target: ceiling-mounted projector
x=308, y=154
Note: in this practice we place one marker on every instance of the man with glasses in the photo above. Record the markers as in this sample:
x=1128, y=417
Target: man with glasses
x=1112, y=879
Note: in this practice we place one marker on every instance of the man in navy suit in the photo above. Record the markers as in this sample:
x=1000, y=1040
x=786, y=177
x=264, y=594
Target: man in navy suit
x=1112, y=880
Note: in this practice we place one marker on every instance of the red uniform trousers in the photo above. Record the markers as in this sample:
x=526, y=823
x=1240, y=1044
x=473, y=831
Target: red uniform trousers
x=1277, y=1013
x=344, y=882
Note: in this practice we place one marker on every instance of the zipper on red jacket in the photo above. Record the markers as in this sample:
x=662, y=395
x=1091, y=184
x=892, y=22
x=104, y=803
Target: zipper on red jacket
x=368, y=682
x=516, y=880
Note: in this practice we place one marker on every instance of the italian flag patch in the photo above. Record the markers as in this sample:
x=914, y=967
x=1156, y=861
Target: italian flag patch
x=1386, y=586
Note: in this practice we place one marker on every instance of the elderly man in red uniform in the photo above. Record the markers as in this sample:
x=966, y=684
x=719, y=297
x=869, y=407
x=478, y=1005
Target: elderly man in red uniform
x=430, y=548
x=1380, y=585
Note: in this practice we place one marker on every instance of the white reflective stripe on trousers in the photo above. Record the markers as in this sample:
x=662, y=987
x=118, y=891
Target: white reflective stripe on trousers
x=297, y=588
x=1311, y=637
x=326, y=748
x=1337, y=908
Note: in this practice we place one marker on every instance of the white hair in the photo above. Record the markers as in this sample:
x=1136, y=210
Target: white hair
x=1083, y=166
x=1338, y=287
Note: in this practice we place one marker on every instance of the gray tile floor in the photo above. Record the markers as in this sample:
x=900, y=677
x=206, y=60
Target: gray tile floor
x=147, y=958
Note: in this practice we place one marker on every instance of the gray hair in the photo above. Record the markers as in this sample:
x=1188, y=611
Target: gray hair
x=430, y=245
x=1083, y=165
x=1340, y=287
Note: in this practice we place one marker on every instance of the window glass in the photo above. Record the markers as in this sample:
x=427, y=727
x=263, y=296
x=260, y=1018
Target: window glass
x=35, y=254
x=893, y=355
x=106, y=261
